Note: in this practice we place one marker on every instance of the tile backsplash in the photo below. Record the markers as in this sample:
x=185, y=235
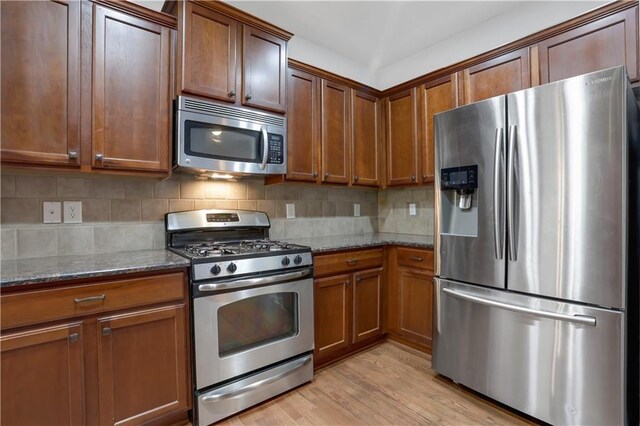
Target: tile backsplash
x=126, y=213
x=393, y=211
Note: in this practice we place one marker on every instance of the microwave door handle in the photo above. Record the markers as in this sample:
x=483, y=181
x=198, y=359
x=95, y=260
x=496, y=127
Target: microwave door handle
x=265, y=147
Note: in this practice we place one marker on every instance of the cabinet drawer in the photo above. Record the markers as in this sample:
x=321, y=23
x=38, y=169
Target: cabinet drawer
x=47, y=305
x=346, y=262
x=415, y=258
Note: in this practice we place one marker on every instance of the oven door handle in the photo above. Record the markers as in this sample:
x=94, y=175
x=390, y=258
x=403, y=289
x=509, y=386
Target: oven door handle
x=294, y=366
x=253, y=282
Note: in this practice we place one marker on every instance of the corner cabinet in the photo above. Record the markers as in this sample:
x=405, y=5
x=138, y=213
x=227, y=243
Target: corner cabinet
x=349, y=291
x=229, y=56
x=86, y=86
x=112, y=351
x=365, y=149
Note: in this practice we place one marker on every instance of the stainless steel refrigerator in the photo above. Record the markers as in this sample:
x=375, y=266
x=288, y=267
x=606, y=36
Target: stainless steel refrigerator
x=536, y=288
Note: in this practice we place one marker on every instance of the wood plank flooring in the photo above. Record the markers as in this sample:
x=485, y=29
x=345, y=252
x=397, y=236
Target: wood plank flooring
x=389, y=384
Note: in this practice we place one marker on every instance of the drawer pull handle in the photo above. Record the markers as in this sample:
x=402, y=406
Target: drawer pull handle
x=90, y=299
x=416, y=258
x=352, y=262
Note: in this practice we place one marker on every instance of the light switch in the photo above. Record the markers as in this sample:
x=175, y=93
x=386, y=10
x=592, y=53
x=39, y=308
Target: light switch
x=51, y=212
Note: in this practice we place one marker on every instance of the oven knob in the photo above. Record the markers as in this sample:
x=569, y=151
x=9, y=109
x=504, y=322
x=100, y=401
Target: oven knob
x=286, y=261
x=297, y=260
x=215, y=269
x=232, y=267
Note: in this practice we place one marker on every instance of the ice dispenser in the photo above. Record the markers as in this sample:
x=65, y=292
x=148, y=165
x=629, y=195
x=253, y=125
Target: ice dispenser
x=459, y=186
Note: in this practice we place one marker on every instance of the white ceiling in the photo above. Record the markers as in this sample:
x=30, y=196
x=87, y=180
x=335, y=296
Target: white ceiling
x=375, y=33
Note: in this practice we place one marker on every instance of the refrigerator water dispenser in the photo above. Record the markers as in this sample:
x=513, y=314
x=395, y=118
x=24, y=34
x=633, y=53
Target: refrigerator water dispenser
x=459, y=186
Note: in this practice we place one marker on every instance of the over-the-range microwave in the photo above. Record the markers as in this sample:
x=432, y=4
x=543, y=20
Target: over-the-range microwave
x=213, y=139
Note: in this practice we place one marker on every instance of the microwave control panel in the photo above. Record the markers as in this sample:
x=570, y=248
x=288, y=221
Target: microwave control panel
x=276, y=149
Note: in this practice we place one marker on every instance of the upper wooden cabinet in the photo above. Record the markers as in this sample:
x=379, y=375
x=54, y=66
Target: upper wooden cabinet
x=505, y=74
x=365, y=151
x=209, y=53
x=605, y=43
x=131, y=93
x=40, y=109
x=112, y=73
x=402, y=138
x=303, y=126
x=336, y=132
x=437, y=96
x=227, y=55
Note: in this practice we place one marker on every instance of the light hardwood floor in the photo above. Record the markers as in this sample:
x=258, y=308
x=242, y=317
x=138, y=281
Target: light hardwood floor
x=389, y=384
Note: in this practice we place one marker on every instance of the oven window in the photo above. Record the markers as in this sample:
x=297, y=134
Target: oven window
x=256, y=321
x=222, y=142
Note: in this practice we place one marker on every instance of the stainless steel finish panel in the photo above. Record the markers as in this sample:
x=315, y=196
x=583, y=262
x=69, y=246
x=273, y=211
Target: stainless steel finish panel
x=253, y=282
x=467, y=136
x=227, y=400
x=559, y=371
x=196, y=219
x=211, y=368
x=568, y=198
x=202, y=271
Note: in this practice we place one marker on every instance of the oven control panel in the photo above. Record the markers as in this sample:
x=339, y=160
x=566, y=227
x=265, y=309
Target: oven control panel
x=231, y=268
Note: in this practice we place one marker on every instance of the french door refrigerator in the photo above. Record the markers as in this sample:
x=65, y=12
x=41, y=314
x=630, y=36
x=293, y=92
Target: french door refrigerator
x=536, y=288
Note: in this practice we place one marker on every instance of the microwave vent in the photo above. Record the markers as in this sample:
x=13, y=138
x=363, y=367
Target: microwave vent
x=233, y=113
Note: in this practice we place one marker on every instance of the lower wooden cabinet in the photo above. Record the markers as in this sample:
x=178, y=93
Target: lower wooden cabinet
x=348, y=307
x=411, y=296
x=117, y=365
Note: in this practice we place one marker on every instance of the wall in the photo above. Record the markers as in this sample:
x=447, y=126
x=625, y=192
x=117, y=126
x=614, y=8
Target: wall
x=393, y=211
x=123, y=213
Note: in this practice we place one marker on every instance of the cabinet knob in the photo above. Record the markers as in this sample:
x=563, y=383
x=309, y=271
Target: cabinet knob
x=247, y=97
x=347, y=283
x=73, y=155
x=74, y=337
x=315, y=174
x=358, y=279
x=106, y=331
x=326, y=175
x=356, y=178
x=99, y=156
x=232, y=94
x=413, y=178
x=424, y=178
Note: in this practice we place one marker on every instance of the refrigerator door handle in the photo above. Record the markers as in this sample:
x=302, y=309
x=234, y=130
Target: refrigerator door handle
x=498, y=193
x=511, y=193
x=578, y=319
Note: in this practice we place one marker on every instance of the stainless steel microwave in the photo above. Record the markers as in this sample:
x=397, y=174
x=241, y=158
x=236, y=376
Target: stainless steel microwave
x=215, y=138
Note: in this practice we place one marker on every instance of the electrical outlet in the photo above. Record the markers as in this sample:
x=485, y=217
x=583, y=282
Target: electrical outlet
x=72, y=211
x=356, y=209
x=51, y=212
x=412, y=209
x=291, y=211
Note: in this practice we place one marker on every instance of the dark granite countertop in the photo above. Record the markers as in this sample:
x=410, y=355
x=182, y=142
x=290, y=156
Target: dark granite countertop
x=56, y=268
x=346, y=242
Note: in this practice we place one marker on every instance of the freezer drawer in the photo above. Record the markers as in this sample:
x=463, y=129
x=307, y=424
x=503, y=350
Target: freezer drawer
x=559, y=362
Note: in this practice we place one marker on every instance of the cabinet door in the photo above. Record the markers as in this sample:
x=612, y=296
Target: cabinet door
x=336, y=132
x=303, y=122
x=131, y=93
x=364, y=146
x=42, y=377
x=332, y=313
x=402, y=138
x=209, y=59
x=142, y=365
x=367, y=305
x=40, y=82
x=504, y=74
x=605, y=43
x=415, y=310
x=437, y=96
x=264, y=62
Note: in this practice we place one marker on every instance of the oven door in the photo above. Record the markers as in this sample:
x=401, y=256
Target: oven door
x=241, y=330
x=208, y=142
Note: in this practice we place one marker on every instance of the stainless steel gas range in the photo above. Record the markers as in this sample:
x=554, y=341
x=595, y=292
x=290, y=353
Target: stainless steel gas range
x=252, y=309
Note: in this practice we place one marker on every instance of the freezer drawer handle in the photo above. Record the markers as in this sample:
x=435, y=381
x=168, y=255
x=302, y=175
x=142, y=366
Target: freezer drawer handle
x=253, y=282
x=294, y=367
x=580, y=319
